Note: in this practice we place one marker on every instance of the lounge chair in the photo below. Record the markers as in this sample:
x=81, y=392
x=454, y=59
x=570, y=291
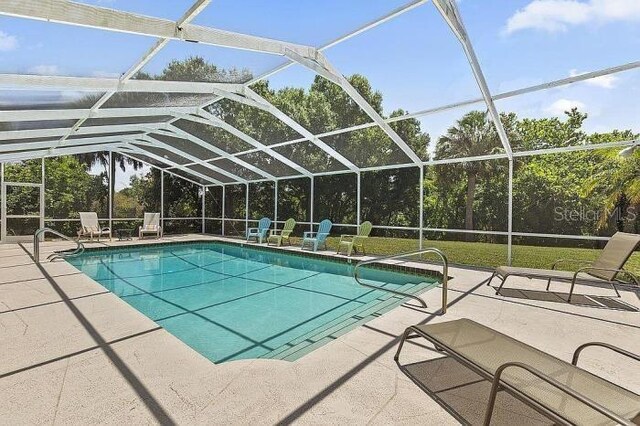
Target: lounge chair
x=151, y=225
x=89, y=226
x=317, y=239
x=259, y=233
x=605, y=269
x=278, y=236
x=351, y=243
x=560, y=390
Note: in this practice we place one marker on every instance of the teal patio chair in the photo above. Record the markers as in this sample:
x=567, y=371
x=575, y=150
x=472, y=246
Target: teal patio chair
x=259, y=233
x=319, y=238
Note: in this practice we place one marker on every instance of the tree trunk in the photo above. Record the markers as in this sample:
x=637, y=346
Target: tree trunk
x=471, y=191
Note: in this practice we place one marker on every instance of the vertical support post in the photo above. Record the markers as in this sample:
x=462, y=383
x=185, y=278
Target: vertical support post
x=3, y=209
x=246, y=209
x=162, y=199
x=204, y=195
x=275, y=205
x=111, y=186
x=421, y=207
x=222, y=217
x=358, y=192
x=313, y=184
x=510, y=215
x=42, y=198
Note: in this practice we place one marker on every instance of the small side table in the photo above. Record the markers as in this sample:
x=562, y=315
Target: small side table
x=124, y=234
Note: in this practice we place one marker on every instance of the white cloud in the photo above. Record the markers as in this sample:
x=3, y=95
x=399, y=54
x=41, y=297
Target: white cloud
x=561, y=105
x=559, y=15
x=7, y=42
x=44, y=70
x=604, y=81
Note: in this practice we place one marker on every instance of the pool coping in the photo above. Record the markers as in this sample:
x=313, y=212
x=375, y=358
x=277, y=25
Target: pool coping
x=382, y=265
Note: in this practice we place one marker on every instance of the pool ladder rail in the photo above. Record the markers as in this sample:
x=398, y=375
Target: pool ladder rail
x=445, y=274
x=56, y=254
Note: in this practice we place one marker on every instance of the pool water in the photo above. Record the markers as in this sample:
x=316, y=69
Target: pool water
x=233, y=302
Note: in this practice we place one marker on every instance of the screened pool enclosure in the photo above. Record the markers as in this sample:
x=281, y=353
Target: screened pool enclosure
x=215, y=123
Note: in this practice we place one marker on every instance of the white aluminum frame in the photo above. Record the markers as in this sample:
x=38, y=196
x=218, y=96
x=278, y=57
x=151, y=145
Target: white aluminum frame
x=67, y=12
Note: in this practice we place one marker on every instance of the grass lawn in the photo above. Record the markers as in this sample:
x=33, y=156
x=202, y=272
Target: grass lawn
x=486, y=254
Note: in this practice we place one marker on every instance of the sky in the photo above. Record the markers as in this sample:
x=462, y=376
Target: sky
x=414, y=60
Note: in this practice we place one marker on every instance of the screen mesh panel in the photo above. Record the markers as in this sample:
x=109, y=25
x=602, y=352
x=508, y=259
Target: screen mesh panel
x=266, y=162
x=309, y=156
x=214, y=135
x=235, y=168
x=367, y=147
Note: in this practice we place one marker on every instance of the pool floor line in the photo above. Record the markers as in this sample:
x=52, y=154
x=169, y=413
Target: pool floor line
x=242, y=336
x=173, y=272
x=279, y=285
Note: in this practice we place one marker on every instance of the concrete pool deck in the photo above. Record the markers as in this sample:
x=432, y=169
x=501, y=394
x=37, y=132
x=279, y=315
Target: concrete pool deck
x=72, y=352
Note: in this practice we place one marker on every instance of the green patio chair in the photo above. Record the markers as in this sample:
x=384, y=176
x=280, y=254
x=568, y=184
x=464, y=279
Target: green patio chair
x=278, y=236
x=351, y=243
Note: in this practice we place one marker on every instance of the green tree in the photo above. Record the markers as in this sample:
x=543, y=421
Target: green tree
x=473, y=135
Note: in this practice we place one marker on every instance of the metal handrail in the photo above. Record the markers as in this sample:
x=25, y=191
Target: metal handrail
x=445, y=273
x=36, y=245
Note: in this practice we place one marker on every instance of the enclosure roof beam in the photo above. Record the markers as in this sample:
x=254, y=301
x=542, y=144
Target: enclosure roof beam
x=67, y=12
x=451, y=15
x=156, y=142
x=131, y=155
x=366, y=27
x=189, y=15
x=70, y=114
x=209, y=119
x=321, y=65
x=47, y=152
x=104, y=84
x=91, y=130
x=269, y=107
x=194, y=139
x=140, y=150
x=22, y=146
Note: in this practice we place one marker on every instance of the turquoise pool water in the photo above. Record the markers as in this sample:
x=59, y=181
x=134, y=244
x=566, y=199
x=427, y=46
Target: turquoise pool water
x=230, y=302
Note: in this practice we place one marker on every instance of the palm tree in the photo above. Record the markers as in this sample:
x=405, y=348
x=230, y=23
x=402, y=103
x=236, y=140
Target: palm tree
x=473, y=135
x=619, y=184
x=102, y=158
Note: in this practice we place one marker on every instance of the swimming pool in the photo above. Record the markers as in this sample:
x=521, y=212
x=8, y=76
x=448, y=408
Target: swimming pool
x=233, y=302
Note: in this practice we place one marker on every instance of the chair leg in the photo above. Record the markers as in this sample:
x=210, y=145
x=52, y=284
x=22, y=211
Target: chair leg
x=495, y=387
x=491, y=279
x=548, y=283
x=613, y=286
x=501, y=284
x=406, y=334
x=573, y=284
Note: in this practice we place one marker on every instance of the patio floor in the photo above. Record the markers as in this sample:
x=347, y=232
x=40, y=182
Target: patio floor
x=74, y=353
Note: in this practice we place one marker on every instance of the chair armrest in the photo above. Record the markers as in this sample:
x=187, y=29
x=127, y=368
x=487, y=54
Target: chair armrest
x=621, y=351
x=346, y=237
x=253, y=229
x=275, y=231
x=551, y=381
x=583, y=262
x=308, y=234
x=591, y=268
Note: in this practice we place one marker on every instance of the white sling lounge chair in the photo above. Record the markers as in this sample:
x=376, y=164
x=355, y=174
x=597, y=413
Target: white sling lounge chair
x=89, y=227
x=605, y=269
x=151, y=225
